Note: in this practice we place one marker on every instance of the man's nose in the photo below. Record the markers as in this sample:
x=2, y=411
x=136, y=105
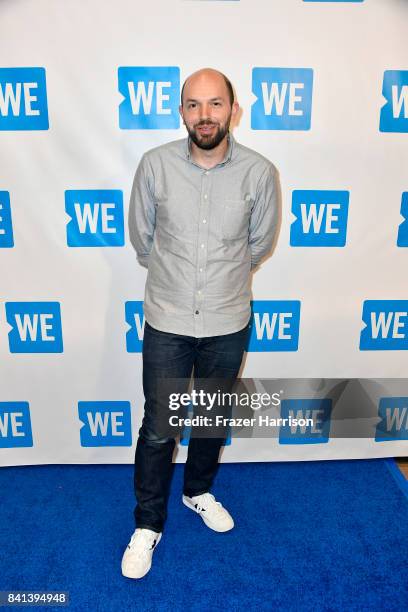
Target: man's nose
x=204, y=112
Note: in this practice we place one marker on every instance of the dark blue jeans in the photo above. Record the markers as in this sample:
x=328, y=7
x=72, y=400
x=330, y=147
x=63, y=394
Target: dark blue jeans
x=167, y=355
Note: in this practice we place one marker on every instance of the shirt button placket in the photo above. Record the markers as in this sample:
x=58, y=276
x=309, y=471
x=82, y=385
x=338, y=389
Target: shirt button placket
x=202, y=254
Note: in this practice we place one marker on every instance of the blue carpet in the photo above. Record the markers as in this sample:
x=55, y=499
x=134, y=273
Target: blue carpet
x=326, y=535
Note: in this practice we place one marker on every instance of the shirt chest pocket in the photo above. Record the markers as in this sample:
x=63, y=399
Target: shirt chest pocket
x=235, y=219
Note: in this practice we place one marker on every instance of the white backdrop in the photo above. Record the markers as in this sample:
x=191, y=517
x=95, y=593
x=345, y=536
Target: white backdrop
x=81, y=44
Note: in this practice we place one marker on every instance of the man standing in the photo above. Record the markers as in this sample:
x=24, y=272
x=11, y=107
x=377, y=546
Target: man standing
x=202, y=214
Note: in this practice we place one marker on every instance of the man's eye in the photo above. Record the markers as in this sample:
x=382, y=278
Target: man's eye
x=191, y=105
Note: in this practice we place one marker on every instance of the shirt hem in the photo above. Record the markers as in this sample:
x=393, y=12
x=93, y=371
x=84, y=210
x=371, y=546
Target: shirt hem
x=179, y=330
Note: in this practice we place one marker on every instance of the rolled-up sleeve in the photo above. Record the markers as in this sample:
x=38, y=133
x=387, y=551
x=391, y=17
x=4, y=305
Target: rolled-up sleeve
x=142, y=212
x=264, y=217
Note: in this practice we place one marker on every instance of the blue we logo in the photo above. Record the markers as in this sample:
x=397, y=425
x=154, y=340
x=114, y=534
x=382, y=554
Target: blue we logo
x=6, y=227
x=134, y=317
x=15, y=425
x=386, y=325
x=96, y=217
x=394, y=113
x=274, y=325
x=284, y=98
x=321, y=218
x=394, y=419
x=402, y=240
x=23, y=99
x=35, y=327
x=307, y=421
x=151, y=97
x=105, y=423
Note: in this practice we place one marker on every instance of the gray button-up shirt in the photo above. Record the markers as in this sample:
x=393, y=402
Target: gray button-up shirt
x=200, y=232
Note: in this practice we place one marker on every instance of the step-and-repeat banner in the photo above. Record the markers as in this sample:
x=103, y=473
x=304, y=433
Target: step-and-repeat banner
x=85, y=89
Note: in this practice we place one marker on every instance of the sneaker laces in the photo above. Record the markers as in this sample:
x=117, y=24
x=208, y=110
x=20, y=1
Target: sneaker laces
x=147, y=538
x=207, y=502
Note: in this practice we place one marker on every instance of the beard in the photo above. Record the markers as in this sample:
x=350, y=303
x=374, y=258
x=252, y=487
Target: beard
x=208, y=142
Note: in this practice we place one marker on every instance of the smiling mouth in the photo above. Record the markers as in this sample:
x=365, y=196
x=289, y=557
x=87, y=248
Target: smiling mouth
x=205, y=129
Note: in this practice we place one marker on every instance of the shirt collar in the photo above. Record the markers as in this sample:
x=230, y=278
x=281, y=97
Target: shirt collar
x=228, y=153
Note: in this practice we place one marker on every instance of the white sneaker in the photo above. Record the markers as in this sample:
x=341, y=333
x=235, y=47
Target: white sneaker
x=137, y=558
x=214, y=515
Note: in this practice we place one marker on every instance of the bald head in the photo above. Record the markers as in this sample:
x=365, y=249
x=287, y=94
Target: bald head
x=204, y=78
